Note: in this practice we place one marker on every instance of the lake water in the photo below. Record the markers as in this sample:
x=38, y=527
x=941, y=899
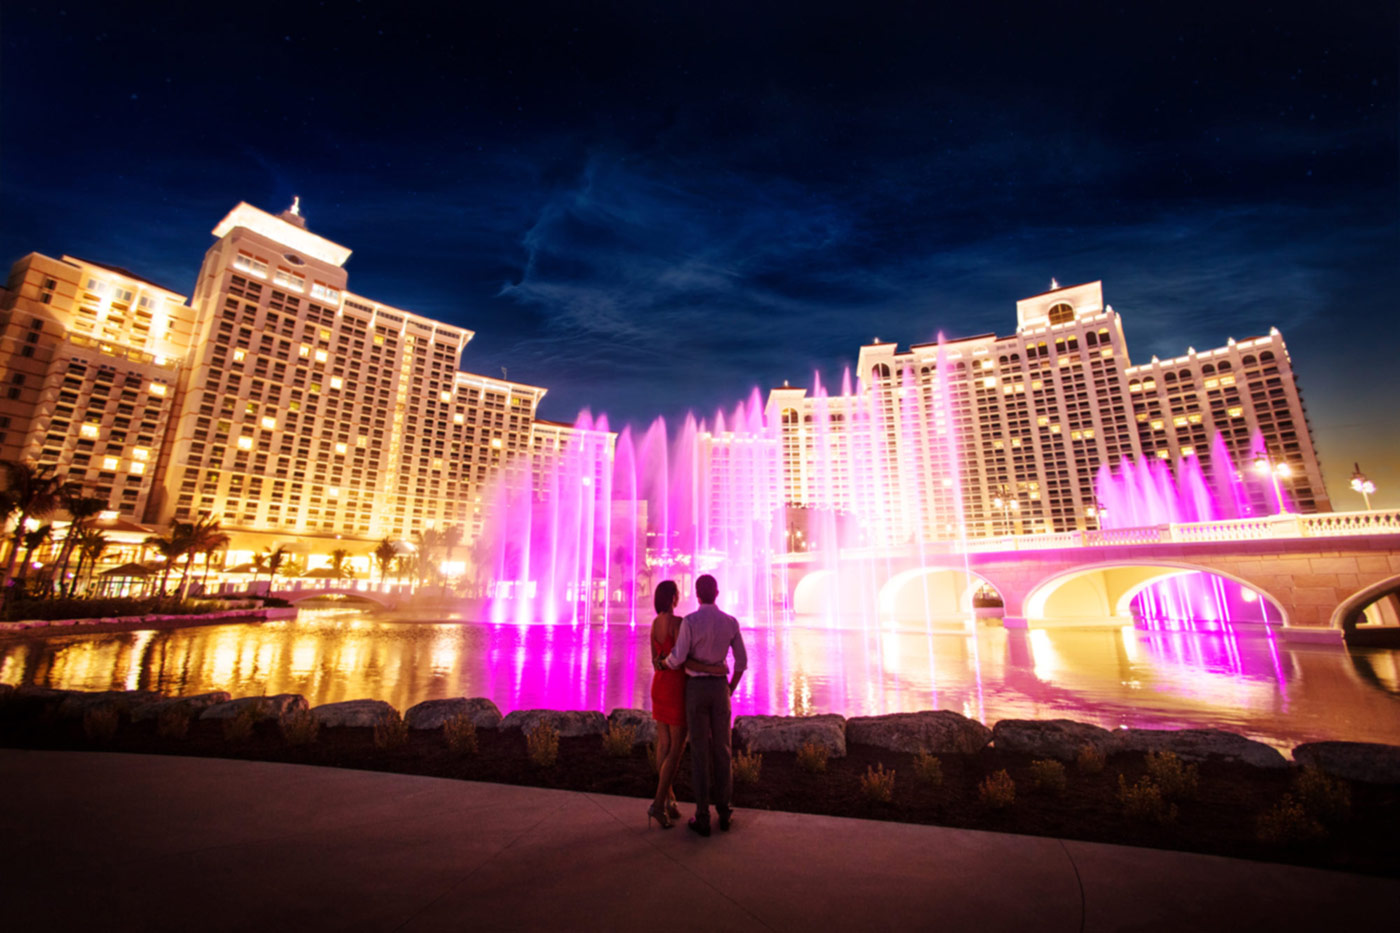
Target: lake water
x=1255, y=685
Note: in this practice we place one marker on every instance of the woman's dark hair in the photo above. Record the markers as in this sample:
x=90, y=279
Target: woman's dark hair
x=664, y=599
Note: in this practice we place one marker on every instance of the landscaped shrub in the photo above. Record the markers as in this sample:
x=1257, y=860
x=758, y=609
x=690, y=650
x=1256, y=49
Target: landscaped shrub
x=1325, y=798
x=240, y=728
x=928, y=769
x=878, y=784
x=1048, y=775
x=1089, y=760
x=1287, y=822
x=100, y=724
x=298, y=727
x=997, y=790
x=617, y=741
x=390, y=731
x=1178, y=781
x=173, y=723
x=106, y=608
x=542, y=744
x=1144, y=802
x=460, y=734
x=747, y=766
x=812, y=756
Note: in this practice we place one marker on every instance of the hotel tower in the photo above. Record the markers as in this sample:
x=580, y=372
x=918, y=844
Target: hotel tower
x=275, y=400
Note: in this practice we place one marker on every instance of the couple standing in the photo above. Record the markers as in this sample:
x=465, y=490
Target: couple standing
x=689, y=689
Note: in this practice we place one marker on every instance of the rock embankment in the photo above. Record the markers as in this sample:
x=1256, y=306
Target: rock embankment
x=942, y=732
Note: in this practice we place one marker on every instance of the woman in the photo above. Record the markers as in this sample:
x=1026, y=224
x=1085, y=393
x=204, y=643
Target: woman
x=668, y=702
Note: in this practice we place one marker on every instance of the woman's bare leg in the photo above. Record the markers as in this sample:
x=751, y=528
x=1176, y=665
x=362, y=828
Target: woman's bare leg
x=663, y=754
x=675, y=745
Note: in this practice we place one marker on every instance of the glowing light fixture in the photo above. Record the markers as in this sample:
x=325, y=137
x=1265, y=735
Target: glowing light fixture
x=1359, y=483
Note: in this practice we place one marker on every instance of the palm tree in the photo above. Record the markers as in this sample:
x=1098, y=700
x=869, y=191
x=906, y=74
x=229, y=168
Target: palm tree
x=172, y=547
x=202, y=537
x=338, y=557
x=214, y=540
x=33, y=540
x=33, y=492
x=384, y=555
x=91, y=546
x=82, y=510
x=259, y=566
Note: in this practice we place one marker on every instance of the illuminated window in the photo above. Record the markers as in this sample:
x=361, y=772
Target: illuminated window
x=1236, y=412
x=1037, y=385
x=990, y=382
x=158, y=388
x=1179, y=421
x=245, y=442
x=340, y=448
x=1054, y=429
x=1188, y=451
x=138, y=468
x=1042, y=421
x=325, y=334
x=437, y=463
x=1194, y=419
x=1164, y=454
x=445, y=396
x=362, y=440
x=287, y=279
x=333, y=492
x=269, y=424
x=303, y=351
x=88, y=430
x=248, y=264
x=1227, y=380
x=987, y=364
x=239, y=354
x=1157, y=424
x=337, y=382
x=496, y=443
x=321, y=356
x=458, y=419
x=325, y=293
x=1212, y=383
x=109, y=463
x=379, y=340
x=1106, y=352
x=141, y=453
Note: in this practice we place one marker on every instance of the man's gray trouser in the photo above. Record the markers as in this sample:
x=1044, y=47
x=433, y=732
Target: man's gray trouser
x=707, y=717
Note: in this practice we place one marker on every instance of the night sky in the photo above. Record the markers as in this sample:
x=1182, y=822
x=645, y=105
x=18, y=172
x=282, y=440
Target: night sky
x=649, y=207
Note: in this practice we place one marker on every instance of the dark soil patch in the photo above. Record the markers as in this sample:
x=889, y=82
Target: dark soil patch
x=1220, y=818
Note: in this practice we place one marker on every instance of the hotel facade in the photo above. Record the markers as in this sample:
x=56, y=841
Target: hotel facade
x=1013, y=434
x=292, y=409
x=275, y=399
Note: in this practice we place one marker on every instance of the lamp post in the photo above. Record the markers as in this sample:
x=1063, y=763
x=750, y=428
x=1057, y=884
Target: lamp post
x=1275, y=471
x=1006, y=507
x=1361, y=484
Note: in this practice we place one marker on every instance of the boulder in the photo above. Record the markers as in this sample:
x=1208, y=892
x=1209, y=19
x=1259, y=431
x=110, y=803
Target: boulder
x=639, y=719
x=1049, y=738
x=192, y=706
x=432, y=714
x=360, y=714
x=265, y=708
x=1198, y=745
x=937, y=731
x=76, y=704
x=567, y=722
x=1356, y=761
x=789, y=733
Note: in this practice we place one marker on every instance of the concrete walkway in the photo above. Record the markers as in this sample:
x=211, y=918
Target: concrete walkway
x=117, y=842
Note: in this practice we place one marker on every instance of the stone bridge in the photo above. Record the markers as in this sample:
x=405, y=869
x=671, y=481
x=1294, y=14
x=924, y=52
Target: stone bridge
x=1317, y=574
x=383, y=595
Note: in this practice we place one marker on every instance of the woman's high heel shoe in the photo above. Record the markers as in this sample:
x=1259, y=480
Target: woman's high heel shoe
x=673, y=811
x=660, y=815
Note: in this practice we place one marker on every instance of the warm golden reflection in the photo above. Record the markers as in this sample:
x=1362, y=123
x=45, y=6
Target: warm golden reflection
x=1111, y=676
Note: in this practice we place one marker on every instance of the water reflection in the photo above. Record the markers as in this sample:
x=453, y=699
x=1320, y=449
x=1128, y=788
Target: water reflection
x=1114, y=677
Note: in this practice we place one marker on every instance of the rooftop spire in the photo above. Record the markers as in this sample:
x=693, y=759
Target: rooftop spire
x=293, y=213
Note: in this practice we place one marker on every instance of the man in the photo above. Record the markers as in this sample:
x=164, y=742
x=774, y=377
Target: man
x=708, y=635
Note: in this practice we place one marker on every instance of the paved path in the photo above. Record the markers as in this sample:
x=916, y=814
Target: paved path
x=116, y=842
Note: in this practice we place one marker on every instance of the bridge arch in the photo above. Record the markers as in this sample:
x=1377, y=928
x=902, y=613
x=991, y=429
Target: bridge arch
x=301, y=596
x=1349, y=612
x=921, y=593
x=1105, y=590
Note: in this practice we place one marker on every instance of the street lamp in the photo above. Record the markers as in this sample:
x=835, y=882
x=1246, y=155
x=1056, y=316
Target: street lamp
x=1275, y=471
x=1361, y=484
x=1006, y=506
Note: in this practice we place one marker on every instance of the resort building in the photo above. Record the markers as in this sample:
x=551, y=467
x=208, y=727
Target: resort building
x=276, y=400
x=1011, y=431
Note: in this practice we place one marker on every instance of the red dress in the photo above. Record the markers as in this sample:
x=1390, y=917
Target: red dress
x=667, y=689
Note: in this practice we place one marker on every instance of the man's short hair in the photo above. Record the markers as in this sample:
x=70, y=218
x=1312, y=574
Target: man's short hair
x=706, y=589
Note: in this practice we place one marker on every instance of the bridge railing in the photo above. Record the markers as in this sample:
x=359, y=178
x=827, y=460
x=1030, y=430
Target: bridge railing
x=1322, y=525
